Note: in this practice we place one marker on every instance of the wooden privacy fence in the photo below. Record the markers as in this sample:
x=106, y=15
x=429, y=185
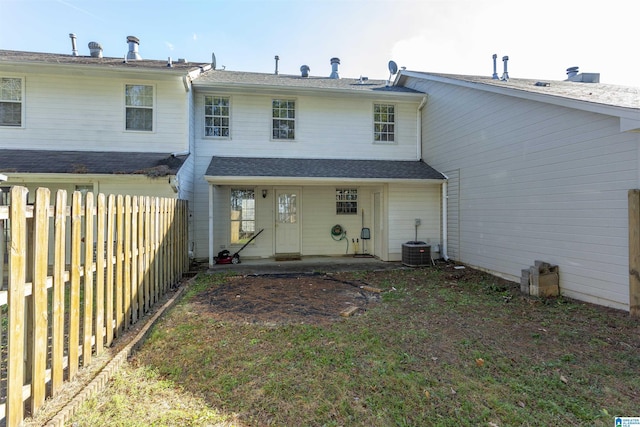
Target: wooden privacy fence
x=77, y=277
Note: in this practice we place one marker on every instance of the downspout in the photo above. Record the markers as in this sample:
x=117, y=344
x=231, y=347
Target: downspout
x=211, y=262
x=443, y=249
x=419, y=128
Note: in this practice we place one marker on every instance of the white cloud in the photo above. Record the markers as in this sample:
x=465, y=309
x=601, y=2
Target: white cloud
x=169, y=45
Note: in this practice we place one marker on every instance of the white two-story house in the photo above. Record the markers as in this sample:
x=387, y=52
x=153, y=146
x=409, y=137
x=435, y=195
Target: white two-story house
x=311, y=161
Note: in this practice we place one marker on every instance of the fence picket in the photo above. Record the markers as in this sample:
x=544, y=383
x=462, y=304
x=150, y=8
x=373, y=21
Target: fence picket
x=39, y=321
x=17, y=272
x=57, y=347
x=74, y=297
x=100, y=261
x=89, y=265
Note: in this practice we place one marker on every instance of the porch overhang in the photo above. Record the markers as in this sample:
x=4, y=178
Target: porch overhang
x=289, y=171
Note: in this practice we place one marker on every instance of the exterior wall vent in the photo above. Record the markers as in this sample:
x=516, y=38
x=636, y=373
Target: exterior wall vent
x=95, y=49
x=133, y=48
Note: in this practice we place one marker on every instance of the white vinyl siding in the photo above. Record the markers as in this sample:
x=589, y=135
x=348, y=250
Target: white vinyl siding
x=62, y=114
x=537, y=182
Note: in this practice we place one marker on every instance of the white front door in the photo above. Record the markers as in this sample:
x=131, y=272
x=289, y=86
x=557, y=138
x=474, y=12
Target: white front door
x=287, y=221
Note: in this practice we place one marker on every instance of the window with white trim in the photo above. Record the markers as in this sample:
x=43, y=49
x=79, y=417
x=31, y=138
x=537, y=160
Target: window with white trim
x=346, y=201
x=216, y=116
x=243, y=215
x=139, y=107
x=384, y=119
x=283, y=113
x=10, y=101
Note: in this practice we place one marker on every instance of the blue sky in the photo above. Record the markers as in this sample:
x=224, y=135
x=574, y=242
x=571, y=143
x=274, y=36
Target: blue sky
x=542, y=38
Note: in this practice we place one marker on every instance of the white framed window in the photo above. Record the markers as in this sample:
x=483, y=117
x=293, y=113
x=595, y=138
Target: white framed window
x=346, y=201
x=11, y=101
x=139, y=107
x=283, y=124
x=384, y=120
x=216, y=116
x=243, y=215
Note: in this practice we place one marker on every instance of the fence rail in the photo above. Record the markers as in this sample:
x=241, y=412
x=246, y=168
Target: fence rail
x=77, y=277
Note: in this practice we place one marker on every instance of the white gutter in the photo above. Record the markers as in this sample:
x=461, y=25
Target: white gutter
x=211, y=225
x=443, y=249
x=419, y=128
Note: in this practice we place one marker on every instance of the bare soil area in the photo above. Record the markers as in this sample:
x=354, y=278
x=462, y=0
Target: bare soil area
x=284, y=299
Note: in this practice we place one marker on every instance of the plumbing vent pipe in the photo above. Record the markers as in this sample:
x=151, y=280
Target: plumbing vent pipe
x=277, y=58
x=334, y=68
x=304, y=70
x=495, y=70
x=95, y=49
x=74, y=49
x=505, y=74
x=133, y=48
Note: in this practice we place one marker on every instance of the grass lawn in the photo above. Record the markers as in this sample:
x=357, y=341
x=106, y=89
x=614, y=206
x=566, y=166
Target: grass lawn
x=438, y=348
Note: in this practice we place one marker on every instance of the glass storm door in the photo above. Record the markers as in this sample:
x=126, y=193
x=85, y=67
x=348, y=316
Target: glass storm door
x=287, y=222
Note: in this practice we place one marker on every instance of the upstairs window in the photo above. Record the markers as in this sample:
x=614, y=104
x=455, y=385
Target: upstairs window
x=384, y=119
x=10, y=101
x=346, y=201
x=243, y=215
x=216, y=116
x=284, y=119
x=139, y=107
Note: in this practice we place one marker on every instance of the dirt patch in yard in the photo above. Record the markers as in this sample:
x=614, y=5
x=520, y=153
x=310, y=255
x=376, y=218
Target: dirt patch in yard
x=284, y=299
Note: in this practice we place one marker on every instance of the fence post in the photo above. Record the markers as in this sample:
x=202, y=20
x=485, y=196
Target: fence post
x=17, y=271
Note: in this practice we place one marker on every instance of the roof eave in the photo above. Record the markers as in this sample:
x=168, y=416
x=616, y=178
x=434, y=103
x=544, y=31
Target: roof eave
x=593, y=107
x=277, y=89
x=285, y=180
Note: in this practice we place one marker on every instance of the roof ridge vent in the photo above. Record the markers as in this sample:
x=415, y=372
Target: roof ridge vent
x=304, y=70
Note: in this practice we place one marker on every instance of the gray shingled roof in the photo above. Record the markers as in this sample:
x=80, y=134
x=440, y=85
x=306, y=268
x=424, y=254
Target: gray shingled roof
x=599, y=93
x=320, y=168
x=20, y=57
x=246, y=79
x=89, y=162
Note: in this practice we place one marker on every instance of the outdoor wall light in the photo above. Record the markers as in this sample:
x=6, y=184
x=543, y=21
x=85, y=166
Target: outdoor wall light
x=264, y=194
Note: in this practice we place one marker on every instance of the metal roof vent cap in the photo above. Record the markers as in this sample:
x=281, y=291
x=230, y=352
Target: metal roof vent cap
x=572, y=72
x=334, y=68
x=304, y=70
x=95, y=49
x=133, y=48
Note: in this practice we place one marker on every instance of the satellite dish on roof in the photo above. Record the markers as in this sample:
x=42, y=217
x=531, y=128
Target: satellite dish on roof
x=393, y=67
x=213, y=60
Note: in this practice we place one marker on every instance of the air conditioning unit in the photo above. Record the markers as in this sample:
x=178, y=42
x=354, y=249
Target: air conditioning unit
x=416, y=254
